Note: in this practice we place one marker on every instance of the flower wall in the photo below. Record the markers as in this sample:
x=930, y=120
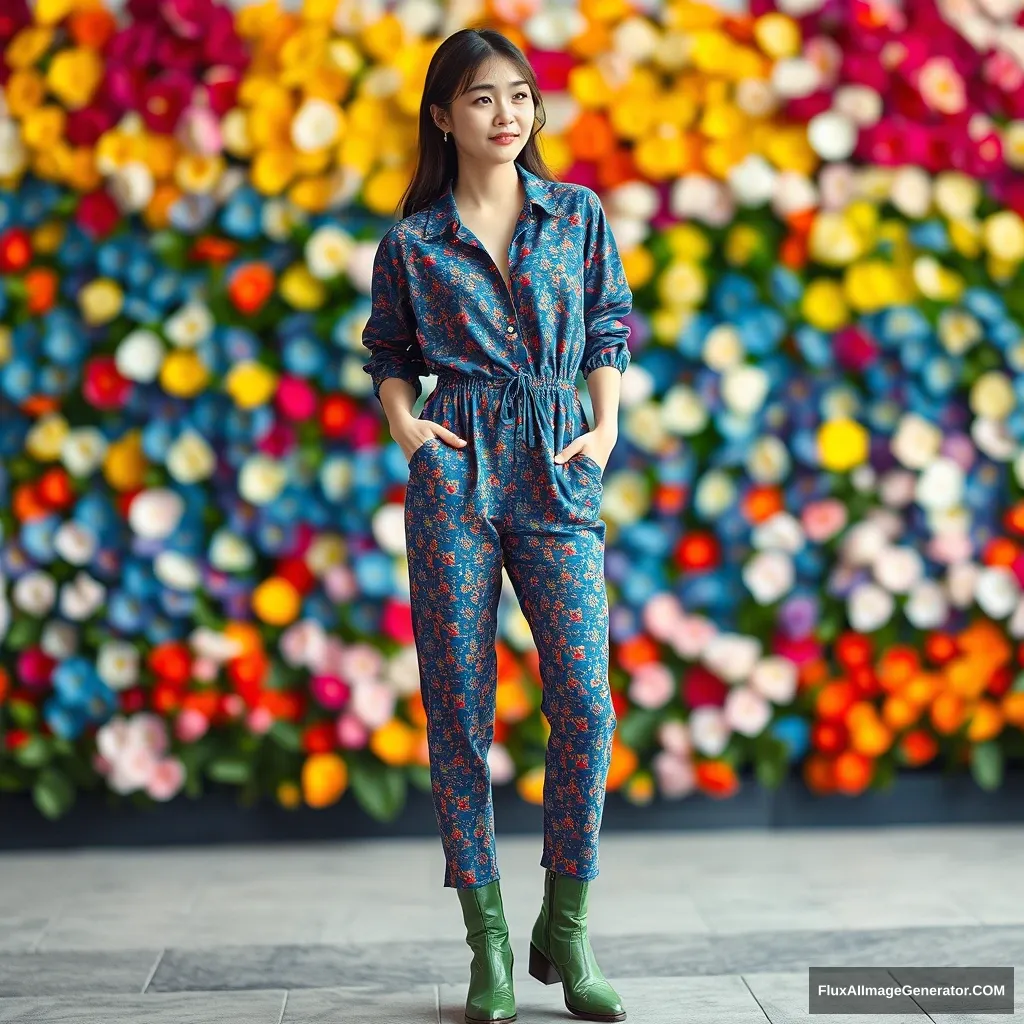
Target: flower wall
x=815, y=517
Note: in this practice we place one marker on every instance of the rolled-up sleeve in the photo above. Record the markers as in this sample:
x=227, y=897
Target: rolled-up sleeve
x=607, y=298
x=390, y=331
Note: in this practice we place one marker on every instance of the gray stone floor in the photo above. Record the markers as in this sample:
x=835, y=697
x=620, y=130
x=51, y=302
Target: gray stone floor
x=694, y=927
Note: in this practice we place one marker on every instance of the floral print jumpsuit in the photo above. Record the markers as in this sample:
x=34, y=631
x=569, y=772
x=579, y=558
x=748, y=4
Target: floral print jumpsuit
x=506, y=361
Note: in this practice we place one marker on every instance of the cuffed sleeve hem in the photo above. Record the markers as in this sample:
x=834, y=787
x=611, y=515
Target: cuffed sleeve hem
x=617, y=356
x=380, y=372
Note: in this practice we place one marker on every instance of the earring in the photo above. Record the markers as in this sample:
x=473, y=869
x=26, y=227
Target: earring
x=445, y=136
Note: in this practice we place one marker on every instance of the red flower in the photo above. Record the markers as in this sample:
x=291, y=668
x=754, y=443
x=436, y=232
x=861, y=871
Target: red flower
x=103, y=387
x=97, y=214
x=855, y=349
x=15, y=250
x=702, y=688
x=163, y=102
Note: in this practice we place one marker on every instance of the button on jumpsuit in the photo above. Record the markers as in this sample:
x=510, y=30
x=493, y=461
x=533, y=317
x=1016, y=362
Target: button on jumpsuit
x=506, y=361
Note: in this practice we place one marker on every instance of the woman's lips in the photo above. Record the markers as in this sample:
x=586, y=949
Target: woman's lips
x=504, y=140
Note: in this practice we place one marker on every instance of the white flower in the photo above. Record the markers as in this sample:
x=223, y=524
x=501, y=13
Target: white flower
x=328, y=251
x=674, y=736
x=261, y=479
x=360, y=266
x=715, y=492
x=780, y=532
x=709, y=730
x=81, y=597
x=132, y=186
x=744, y=388
x=756, y=98
x=863, y=543
x=941, y=485
x=993, y=438
x=140, y=355
x=191, y=325
x=683, y=411
x=957, y=195
x=13, y=153
x=794, y=77
x=961, y=581
x=177, y=571
x=723, y=347
x=373, y=701
x=698, y=197
x=746, y=711
x=752, y=181
x=1015, y=627
x=888, y=521
x=213, y=645
x=927, y=606
x=768, y=461
x=775, y=678
x=59, y=640
x=190, y=458
x=551, y=28
x=799, y=8
x=916, y=442
x=732, y=656
x=501, y=765
x=860, y=103
x=83, y=450
x=912, y=192
x=155, y=514
x=869, y=607
x=769, y=576
x=661, y=615
x=794, y=193
x=229, y=552
x=832, y=135
x=403, y=672
x=117, y=664
x=317, y=123
x=75, y=542
x=997, y=591
x=958, y=331
x=34, y=593
x=898, y=569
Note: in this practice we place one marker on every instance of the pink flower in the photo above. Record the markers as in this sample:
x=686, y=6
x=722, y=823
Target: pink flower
x=199, y=130
x=746, y=711
x=259, y=721
x=855, y=349
x=295, y=399
x=340, y=583
x=692, y=635
x=675, y=776
x=204, y=669
x=661, y=615
x=191, y=725
x=352, y=733
x=396, y=621
x=35, y=668
x=950, y=547
x=674, y=736
x=822, y=520
x=1003, y=72
x=166, y=779
x=330, y=692
x=652, y=686
x=303, y=643
x=278, y=441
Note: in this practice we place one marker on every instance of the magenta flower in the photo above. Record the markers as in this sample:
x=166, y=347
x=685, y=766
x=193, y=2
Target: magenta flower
x=330, y=692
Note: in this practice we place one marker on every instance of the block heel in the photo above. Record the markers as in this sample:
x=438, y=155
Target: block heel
x=542, y=968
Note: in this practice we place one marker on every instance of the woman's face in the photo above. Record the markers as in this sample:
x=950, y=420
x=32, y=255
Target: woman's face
x=492, y=120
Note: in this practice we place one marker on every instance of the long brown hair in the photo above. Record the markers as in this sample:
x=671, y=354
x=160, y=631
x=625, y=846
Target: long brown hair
x=449, y=75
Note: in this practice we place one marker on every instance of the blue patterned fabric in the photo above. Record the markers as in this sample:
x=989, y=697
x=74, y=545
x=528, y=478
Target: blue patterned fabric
x=506, y=364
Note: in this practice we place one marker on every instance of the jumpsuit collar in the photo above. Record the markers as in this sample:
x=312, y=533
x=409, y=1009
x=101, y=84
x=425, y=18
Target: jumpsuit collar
x=443, y=215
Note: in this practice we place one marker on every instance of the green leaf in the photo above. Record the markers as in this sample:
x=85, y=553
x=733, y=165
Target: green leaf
x=34, y=753
x=419, y=776
x=286, y=734
x=987, y=765
x=23, y=713
x=52, y=793
x=637, y=728
x=232, y=770
x=22, y=634
x=380, y=790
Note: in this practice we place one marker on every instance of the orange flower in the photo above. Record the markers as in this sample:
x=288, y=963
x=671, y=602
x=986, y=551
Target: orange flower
x=853, y=772
x=171, y=661
x=761, y=503
x=835, y=699
x=939, y=648
x=41, y=285
x=717, y=779
x=947, y=713
x=324, y=779
x=92, y=27
x=853, y=650
x=624, y=763
x=819, y=773
x=918, y=747
x=986, y=722
x=896, y=666
x=251, y=286
x=898, y=713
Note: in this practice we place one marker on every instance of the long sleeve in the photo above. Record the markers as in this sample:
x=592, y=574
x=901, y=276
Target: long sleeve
x=606, y=297
x=390, y=331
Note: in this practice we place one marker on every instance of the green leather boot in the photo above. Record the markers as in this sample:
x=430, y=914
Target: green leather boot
x=491, y=998
x=560, y=951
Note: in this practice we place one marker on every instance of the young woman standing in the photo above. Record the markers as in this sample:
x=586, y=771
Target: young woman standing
x=505, y=284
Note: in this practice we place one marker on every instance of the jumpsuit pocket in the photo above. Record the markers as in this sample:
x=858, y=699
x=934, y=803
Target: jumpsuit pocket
x=592, y=463
x=432, y=440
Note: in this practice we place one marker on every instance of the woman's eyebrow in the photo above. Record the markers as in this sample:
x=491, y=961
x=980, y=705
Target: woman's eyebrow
x=488, y=85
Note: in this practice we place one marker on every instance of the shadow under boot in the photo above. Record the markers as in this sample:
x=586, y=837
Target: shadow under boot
x=560, y=951
x=491, y=998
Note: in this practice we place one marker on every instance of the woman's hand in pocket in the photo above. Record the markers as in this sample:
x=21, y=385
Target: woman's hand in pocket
x=415, y=432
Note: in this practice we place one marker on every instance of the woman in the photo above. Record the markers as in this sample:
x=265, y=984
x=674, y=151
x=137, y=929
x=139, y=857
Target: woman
x=505, y=283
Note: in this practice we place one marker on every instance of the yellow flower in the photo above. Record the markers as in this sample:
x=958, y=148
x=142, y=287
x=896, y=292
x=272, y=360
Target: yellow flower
x=25, y=90
x=270, y=126
x=712, y=51
x=100, y=300
x=1001, y=271
x=252, y=21
x=394, y=743
x=1013, y=144
x=276, y=601
x=299, y=288
x=1004, y=235
x=824, y=305
x=81, y=173
x=874, y=284
x=682, y=284
x=50, y=12
x=302, y=54
x=73, y=76
x=28, y=46
x=638, y=263
x=45, y=438
x=358, y=151
x=160, y=153
x=742, y=244
x=936, y=281
x=778, y=35
x=198, y=172
x=384, y=188
x=125, y=464
x=312, y=194
x=512, y=703
x=183, y=374
x=588, y=87
x=863, y=215
x=667, y=153
x=530, y=785
x=687, y=242
x=667, y=323
x=992, y=396
x=721, y=156
x=722, y=121
x=43, y=127
x=640, y=788
x=834, y=240
x=383, y=38
x=842, y=445
x=289, y=795
x=250, y=384
x=6, y=344
x=324, y=779
x=272, y=170
x=966, y=237
x=789, y=150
